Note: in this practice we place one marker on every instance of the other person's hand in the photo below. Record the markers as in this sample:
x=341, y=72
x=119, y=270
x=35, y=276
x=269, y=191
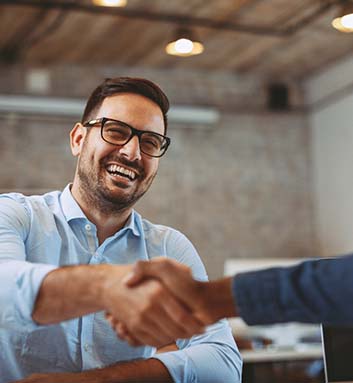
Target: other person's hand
x=179, y=281
x=208, y=301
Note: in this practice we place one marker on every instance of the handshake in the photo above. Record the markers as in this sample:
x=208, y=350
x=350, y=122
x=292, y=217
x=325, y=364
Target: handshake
x=159, y=301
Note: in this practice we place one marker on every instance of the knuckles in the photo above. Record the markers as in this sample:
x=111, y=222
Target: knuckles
x=157, y=292
x=181, y=317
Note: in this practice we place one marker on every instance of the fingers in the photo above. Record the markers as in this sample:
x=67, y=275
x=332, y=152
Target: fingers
x=134, y=277
x=174, y=275
x=124, y=334
x=146, y=305
x=172, y=321
x=157, y=268
x=183, y=320
x=167, y=348
x=154, y=325
x=161, y=320
x=121, y=330
x=138, y=273
x=109, y=317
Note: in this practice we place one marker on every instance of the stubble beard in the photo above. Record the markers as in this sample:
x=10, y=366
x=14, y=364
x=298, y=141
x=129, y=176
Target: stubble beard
x=96, y=193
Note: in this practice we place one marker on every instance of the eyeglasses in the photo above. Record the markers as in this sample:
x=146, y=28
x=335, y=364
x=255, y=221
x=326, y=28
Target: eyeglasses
x=119, y=133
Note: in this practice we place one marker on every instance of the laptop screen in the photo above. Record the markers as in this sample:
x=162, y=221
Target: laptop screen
x=338, y=353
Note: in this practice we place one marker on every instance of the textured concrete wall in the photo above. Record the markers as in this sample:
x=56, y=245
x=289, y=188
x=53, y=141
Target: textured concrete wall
x=241, y=188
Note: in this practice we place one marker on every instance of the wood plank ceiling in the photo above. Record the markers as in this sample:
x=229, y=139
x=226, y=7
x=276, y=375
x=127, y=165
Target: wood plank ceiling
x=291, y=39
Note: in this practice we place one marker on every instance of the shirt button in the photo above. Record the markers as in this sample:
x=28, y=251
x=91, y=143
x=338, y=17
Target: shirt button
x=86, y=347
x=88, y=227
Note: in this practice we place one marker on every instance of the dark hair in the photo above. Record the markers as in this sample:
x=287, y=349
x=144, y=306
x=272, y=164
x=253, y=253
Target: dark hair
x=113, y=86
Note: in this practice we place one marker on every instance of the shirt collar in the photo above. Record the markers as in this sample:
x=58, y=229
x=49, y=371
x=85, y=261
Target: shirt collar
x=72, y=210
x=134, y=223
x=70, y=207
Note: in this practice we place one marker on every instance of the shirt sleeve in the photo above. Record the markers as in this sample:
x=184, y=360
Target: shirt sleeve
x=209, y=357
x=20, y=280
x=315, y=291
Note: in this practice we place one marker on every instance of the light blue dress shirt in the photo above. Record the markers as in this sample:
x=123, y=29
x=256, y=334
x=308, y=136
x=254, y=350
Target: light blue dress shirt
x=41, y=233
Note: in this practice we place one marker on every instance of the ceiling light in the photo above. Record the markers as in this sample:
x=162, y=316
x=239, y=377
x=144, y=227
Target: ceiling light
x=344, y=21
x=110, y=3
x=184, y=44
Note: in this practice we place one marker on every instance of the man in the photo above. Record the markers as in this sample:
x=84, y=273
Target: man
x=64, y=255
x=314, y=291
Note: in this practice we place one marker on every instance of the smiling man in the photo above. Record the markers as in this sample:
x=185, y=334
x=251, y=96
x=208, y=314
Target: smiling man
x=64, y=256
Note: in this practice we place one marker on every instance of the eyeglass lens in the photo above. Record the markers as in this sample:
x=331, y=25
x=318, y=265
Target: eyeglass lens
x=119, y=134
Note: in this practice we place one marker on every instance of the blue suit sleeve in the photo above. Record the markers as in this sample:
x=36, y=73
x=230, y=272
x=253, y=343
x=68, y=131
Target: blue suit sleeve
x=315, y=291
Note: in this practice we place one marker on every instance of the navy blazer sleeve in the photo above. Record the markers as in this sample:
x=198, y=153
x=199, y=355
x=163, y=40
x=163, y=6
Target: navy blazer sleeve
x=315, y=291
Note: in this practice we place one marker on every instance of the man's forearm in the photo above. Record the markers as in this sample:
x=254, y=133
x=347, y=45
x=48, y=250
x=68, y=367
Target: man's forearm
x=73, y=291
x=139, y=371
x=148, y=370
x=150, y=312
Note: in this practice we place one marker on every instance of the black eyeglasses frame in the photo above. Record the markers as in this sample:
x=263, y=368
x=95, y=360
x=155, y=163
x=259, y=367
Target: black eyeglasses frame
x=134, y=132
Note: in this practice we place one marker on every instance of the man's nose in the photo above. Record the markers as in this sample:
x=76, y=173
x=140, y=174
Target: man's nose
x=131, y=149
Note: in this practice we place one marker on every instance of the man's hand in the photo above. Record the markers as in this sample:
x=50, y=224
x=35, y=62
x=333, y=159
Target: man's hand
x=208, y=301
x=179, y=281
x=149, y=311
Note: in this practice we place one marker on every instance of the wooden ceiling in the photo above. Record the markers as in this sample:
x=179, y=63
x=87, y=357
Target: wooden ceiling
x=272, y=38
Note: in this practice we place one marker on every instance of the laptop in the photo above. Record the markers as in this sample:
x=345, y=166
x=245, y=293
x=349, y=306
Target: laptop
x=338, y=353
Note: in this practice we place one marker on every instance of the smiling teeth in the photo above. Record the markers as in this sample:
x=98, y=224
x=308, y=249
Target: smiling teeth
x=120, y=169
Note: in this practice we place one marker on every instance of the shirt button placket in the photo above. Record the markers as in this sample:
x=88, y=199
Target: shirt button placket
x=90, y=238
x=87, y=342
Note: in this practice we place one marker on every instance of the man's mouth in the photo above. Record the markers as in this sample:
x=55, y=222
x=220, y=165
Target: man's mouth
x=116, y=170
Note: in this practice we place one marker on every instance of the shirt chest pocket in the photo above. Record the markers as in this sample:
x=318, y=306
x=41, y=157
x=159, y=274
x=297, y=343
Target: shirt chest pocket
x=50, y=349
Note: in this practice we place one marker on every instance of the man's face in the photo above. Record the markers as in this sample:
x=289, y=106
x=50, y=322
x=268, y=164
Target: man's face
x=119, y=175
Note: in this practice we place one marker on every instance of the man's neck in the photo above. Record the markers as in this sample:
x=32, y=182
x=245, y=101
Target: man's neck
x=107, y=223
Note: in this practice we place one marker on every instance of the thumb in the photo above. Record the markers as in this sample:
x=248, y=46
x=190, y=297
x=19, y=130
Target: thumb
x=137, y=274
x=157, y=268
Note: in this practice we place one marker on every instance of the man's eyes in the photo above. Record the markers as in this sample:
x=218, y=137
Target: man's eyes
x=118, y=131
x=152, y=141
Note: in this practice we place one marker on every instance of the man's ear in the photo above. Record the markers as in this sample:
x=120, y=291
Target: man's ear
x=77, y=137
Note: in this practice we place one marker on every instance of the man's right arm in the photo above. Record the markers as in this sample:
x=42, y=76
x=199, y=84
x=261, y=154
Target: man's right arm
x=33, y=294
x=149, y=310
x=73, y=291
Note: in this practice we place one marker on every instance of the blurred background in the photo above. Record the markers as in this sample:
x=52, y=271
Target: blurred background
x=261, y=161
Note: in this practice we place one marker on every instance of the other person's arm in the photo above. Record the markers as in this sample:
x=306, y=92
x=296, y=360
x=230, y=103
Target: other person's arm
x=209, y=301
x=314, y=291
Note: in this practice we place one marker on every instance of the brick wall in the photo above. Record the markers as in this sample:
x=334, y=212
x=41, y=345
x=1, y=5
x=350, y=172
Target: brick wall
x=241, y=188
